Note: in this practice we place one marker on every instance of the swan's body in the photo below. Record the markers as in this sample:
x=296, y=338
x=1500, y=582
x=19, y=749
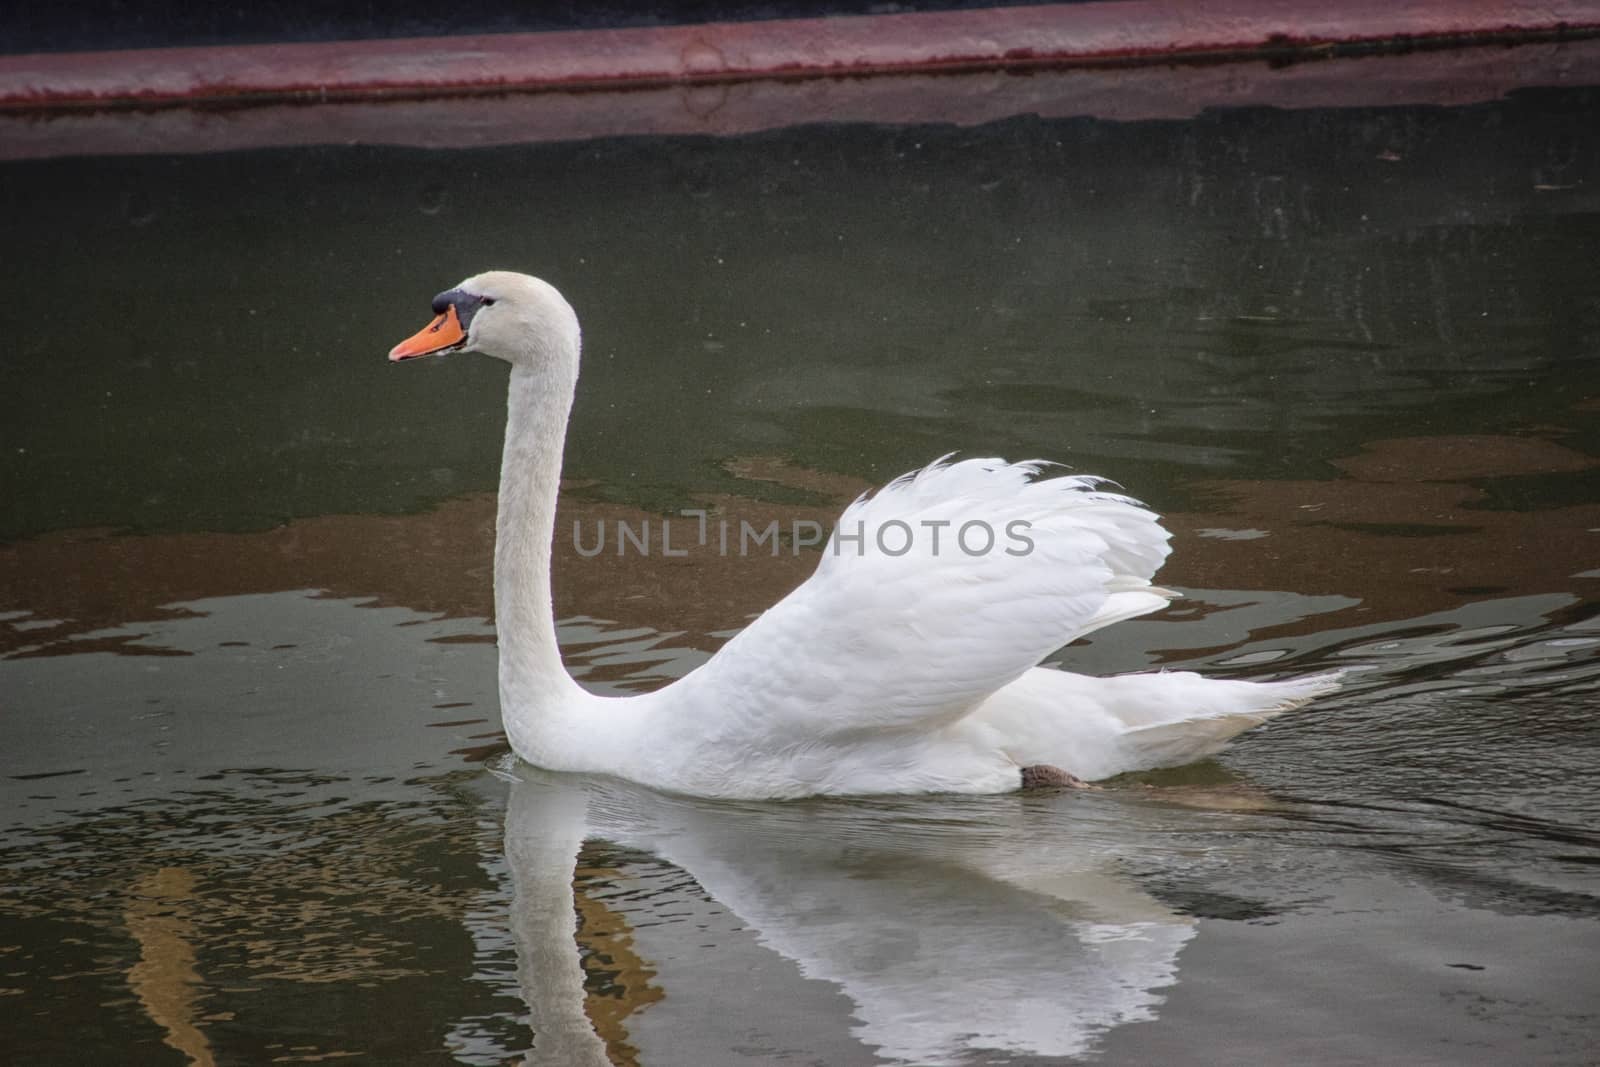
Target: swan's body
x=882, y=673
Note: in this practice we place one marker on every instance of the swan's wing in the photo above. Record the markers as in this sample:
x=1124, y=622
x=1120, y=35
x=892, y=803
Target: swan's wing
x=880, y=639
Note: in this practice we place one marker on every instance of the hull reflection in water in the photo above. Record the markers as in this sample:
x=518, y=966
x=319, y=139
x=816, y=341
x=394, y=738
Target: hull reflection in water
x=985, y=924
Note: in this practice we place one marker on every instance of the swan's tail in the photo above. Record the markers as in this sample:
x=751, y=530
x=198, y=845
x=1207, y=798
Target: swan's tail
x=1221, y=710
x=1101, y=727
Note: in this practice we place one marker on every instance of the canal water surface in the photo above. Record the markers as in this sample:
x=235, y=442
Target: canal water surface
x=257, y=805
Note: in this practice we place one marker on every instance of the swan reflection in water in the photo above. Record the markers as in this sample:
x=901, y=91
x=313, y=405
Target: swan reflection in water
x=953, y=927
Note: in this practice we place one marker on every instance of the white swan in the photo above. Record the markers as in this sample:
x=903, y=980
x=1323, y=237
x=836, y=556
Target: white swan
x=882, y=673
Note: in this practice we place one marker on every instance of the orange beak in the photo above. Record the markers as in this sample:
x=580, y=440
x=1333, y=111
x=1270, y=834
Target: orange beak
x=443, y=332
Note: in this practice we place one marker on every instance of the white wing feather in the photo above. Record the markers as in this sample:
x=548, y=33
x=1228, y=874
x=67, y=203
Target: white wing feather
x=874, y=642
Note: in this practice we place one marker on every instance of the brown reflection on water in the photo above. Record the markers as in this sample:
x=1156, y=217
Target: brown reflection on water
x=172, y=919
x=165, y=979
x=1405, y=531
x=287, y=892
x=436, y=561
x=617, y=981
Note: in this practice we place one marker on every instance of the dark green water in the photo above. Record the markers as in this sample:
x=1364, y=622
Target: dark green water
x=258, y=808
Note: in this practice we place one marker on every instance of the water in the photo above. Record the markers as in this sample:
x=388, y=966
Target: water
x=259, y=808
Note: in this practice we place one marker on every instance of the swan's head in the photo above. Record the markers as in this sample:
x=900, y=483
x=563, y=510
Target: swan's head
x=511, y=316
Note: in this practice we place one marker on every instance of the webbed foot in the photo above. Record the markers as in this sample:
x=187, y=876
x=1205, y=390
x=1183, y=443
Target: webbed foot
x=1045, y=776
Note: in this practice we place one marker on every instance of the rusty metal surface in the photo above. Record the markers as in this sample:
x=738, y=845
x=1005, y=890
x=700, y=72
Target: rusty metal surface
x=1444, y=77
x=1047, y=35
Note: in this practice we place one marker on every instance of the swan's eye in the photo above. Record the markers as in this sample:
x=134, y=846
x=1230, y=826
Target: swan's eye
x=488, y=300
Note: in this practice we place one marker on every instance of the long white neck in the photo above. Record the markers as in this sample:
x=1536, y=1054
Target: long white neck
x=541, y=704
